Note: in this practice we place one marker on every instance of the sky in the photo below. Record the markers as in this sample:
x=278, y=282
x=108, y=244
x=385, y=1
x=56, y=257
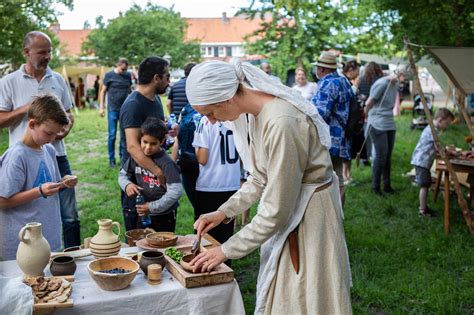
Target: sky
x=90, y=9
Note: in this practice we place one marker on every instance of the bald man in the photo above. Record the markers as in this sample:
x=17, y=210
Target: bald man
x=17, y=90
x=265, y=66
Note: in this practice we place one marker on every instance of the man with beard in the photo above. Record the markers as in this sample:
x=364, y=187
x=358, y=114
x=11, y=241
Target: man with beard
x=144, y=102
x=17, y=90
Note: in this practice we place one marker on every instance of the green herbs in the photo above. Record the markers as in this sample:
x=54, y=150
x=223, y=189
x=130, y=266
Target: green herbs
x=174, y=254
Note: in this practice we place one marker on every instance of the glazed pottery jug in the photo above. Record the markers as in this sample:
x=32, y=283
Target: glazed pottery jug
x=62, y=266
x=34, y=251
x=151, y=257
x=106, y=243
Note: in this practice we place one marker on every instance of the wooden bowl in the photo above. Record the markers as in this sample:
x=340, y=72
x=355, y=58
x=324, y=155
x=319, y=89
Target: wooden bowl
x=185, y=263
x=137, y=234
x=113, y=282
x=161, y=239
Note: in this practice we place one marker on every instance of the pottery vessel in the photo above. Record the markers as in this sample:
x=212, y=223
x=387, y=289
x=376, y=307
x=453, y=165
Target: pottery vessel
x=137, y=234
x=34, y=252
x=151, y=257
x=106, y=243
x=62, y=266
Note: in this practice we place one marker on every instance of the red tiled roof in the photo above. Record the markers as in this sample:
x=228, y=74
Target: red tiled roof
x=215, y=30
x=218, y=30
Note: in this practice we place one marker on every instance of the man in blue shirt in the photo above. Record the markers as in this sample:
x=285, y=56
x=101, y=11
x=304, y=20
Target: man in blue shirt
x=177, y=97
x=332, y=99
x=117, y=86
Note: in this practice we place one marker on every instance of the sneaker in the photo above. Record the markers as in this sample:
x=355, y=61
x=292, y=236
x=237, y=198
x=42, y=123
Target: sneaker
x=428, y=213
x=112, y=164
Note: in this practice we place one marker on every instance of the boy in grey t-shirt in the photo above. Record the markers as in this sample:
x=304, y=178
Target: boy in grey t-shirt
x=31, y=179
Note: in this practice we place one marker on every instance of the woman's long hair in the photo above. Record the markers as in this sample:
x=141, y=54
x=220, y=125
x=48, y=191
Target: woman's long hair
x=372, y=72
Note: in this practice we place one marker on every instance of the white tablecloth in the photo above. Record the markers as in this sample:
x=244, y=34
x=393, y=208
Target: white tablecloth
x=169, y=297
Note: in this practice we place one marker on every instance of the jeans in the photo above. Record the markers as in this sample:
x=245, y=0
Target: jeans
x=383, y=142
x=113, y=118
x=67, y=201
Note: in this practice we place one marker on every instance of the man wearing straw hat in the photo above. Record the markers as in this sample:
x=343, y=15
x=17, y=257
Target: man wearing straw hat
x=332, y=99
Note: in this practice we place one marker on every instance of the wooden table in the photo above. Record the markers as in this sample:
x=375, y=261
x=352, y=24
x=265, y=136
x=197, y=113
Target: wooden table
x=459, y=166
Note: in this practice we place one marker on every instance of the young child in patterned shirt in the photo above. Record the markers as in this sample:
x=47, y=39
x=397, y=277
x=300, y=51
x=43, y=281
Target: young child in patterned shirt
x=424, y=155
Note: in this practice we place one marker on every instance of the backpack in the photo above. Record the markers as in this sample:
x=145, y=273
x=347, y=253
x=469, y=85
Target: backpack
x=187, y=159
x=355, y=123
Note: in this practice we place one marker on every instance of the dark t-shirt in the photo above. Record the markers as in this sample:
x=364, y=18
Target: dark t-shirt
x=118, y=87
x=178, y=96
x=135, y=110
x=152, y=189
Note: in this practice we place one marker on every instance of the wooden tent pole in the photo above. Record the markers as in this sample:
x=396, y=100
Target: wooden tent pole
x=460, y=103
x=441, y=149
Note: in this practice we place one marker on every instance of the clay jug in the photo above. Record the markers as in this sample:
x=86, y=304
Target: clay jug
x=34, y=252
x=106, y=243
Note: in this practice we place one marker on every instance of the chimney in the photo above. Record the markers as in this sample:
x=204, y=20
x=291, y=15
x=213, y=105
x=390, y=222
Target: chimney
x=225, y=19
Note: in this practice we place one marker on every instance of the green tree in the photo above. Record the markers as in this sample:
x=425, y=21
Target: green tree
x=428, y=22
x=18, y=17
x=294, y=32
x=139, y=33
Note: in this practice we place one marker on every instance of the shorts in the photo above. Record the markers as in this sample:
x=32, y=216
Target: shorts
x=423, y=176
x=337, y=167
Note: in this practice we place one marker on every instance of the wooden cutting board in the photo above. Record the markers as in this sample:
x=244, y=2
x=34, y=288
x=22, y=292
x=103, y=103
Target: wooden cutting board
x=220, y=274
x=49, y=308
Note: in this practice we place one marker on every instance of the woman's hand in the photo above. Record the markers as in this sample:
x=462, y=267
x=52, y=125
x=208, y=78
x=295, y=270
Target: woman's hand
x=208, y=260
x=132, y=189
x=143, y=209
x=208, y=221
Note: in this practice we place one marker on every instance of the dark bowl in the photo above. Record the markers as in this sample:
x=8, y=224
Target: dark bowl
x=152, y=257
x=62, y=266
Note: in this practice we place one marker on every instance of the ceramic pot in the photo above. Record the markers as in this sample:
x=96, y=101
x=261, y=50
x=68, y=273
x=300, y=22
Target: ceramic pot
x=106, y=243
x=62, y=266
x=34, y=251
x=151, y=257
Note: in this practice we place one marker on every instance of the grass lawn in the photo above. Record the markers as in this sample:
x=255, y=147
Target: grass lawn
x=401, y=263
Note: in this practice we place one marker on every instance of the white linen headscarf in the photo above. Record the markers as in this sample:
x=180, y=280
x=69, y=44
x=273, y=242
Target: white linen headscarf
x=212, y=82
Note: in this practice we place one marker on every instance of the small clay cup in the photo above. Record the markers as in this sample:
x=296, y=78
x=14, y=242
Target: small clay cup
x=152, y=257
x=62, y=266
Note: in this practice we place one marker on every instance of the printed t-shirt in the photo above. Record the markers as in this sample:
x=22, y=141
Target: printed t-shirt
x=23, y=168
x=19, y=88
x=222, y=170
x=152, y=188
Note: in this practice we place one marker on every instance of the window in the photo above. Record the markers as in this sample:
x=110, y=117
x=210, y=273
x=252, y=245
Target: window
x=206, y=51
x=238, y=51
x=221, y=51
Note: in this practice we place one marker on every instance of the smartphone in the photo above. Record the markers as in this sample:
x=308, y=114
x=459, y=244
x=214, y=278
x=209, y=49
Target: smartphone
x=67, y=179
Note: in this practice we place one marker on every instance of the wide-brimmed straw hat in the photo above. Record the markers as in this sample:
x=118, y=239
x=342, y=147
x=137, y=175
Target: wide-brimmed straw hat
x=327, y=60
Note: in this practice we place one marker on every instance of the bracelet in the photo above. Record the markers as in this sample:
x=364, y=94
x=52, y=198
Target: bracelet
x=41, y=192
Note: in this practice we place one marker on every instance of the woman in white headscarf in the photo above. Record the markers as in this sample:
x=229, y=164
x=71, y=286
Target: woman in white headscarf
x=304, y=266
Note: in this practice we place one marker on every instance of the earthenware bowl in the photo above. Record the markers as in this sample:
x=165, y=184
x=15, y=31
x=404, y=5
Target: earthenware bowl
x=63, y=265
x=137, y=234
x=152, y=257
x=113, y=282
x=161, y=239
